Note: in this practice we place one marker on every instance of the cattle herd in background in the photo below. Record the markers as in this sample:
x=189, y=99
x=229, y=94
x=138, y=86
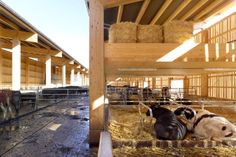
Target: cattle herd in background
x=12, y=102
x=132, y=95
x=173, y=123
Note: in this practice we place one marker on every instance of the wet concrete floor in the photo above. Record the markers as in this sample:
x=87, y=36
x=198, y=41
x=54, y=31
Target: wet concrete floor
x=60, y=130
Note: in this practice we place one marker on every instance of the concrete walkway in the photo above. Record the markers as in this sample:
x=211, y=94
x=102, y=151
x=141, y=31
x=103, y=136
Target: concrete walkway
x=57, y=131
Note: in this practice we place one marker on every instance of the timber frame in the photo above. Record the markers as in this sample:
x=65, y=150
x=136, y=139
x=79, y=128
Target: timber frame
x=109, y=61
x=35, y=48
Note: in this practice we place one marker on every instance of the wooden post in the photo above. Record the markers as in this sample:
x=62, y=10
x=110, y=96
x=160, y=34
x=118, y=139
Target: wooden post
x=48, y=71
x=96, y=72
x=27, y=72
x=72, y=76
x=186, y=86
x=204, y=85
x=153, y=82
x=63, y=75
x=1, y=75
x=16, y=64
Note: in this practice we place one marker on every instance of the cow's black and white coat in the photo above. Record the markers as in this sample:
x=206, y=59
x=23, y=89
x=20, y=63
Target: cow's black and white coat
x=207, y=125
x=167, y=126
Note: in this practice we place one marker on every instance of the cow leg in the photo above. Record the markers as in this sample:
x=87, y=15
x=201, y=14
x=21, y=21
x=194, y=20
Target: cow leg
x=4, y=111
x=9, y=107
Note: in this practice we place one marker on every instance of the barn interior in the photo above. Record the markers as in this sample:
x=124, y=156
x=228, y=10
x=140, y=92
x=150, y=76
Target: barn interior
x=130, y=61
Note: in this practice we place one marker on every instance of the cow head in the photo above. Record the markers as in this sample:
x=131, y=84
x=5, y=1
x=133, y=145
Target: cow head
x=187, y=112
x=158, y=111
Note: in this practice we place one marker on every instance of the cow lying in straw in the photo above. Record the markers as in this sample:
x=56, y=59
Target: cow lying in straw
x=167, y=126
x=207, y=125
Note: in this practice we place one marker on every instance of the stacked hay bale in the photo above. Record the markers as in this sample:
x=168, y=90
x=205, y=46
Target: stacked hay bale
x=171, y=32
x=149, y=34
x=177, y=31
x=124, y=32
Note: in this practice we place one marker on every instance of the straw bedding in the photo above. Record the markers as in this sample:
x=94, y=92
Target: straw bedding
x=177, y=31
x=124, y=32
x=125, y=124
x=149, y=34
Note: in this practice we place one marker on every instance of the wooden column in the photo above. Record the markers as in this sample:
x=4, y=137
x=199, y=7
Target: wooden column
x=186, y=86
x=16, y=64
x=27, y=72
x=63, y=75
x=204, y=85
x=72, y=76
x=48, y=71
x=96, y=72
x=79, y=79
x=153, y=82
x=1, y=75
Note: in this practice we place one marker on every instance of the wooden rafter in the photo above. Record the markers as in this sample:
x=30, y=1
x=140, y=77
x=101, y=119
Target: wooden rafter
x=114, y=3
x=9, y=23
x=120, y=12
x=40, y=51
x=194, y=9
x=142, y=10
x=208, y=9
x=220, y=8
x=178, y=10
x=161, y=11
x=21, y=35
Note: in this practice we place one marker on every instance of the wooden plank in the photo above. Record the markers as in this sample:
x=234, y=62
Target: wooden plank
x=105, y=145
x=37, y=51
x=178, y=10
x=207, y=9
x=0, y=68
x=142, y=10
x=27, y=73
x=120, y=13
x=169, y=65
x=194, y=9
x=161, y=11
x=96, y=72
x=22, y=36
x=115, y=3
x=204, y=85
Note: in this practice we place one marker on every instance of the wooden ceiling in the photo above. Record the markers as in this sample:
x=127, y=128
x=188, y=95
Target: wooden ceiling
x=37, y=46
x=140, y=59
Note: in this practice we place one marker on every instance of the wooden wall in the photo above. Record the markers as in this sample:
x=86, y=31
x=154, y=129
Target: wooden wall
x=32, y=72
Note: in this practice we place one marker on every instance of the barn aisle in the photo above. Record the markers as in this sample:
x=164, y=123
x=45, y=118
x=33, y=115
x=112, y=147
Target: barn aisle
x=59, y=130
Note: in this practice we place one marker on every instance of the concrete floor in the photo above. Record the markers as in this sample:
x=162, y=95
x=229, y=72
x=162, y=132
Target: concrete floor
x=60, y=130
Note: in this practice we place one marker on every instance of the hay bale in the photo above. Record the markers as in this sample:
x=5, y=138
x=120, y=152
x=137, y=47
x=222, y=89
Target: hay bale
x=149, y=34
x=177, y=31
x=124, y=32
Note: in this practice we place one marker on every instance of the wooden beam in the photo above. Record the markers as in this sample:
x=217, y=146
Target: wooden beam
x=120, y=12
x=22, y=36
x=105, y=145
x=1, y=75
x=9, y=23
x=220, y=9
x=194, y=9
x=159, y=72
x=96, y=73
x=178, y=10
x=142, y=10
x=161, y=11
x=60, y=61
x=34, y=50
x=115, y=3
x=142, y=65
x=207, y=9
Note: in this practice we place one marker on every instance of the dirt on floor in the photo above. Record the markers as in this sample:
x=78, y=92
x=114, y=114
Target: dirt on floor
x=60, y=130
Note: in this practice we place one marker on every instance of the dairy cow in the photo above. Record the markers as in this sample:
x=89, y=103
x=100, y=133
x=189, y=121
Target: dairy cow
x=167, y=126
x=207, y=125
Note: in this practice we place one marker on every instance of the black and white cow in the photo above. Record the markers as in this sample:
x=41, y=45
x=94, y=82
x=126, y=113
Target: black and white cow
x=167, y=126
x=207, y=125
